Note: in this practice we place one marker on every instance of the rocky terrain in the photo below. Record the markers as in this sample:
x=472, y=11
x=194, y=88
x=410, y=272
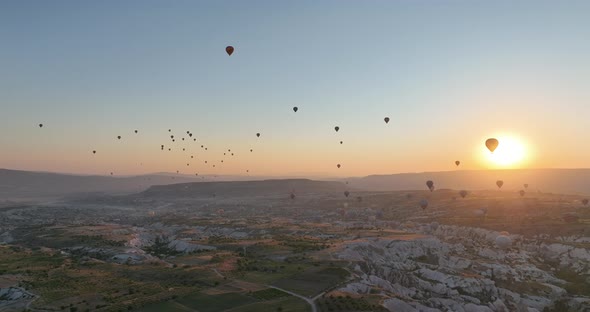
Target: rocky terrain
x=462, y=269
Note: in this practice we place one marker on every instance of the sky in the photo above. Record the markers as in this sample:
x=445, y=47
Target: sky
x=449, y=74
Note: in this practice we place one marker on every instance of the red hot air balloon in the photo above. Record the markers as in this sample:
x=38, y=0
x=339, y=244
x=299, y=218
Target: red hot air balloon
x=229, y=50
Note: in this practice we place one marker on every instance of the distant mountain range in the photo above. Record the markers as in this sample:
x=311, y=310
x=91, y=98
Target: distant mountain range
x=566, y=181
x=280, y=187
x=16, y=184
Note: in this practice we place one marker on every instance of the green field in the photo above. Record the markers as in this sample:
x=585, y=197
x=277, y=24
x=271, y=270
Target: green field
x=313, y=282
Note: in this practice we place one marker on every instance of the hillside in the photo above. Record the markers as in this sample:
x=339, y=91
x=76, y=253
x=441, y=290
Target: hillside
x=245, y=188
x=567, y=181
x=15, y=184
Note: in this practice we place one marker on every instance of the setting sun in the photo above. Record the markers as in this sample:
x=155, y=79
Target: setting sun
x=510, y=152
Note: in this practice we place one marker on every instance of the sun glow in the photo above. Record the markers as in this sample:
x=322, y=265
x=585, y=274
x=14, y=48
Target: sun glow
x=509, y=153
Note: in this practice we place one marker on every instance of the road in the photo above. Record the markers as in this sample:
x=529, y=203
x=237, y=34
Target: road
x=310, y=301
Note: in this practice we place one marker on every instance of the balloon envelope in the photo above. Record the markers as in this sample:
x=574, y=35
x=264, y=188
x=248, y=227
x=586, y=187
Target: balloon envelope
x=386, y=119
x=463, y=193
x=336, y=128
x=229, y=50
x=499, y=183
x=457, y=163
x=423, y=204
x=430, y=185
x=295, y=109
x=492, y=144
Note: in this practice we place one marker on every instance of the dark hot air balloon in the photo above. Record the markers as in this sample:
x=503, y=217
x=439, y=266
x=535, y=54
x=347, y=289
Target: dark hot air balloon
x=346, y=193
x=585, y=201
x=521, y=192
x=336, y=128
x=430, y=185
x=338, y=165
x=499, y=183
x=457, y=163
x=229, y=50
x=258, y=135
x=386, y=119
x=295, y=109
x=463, y=193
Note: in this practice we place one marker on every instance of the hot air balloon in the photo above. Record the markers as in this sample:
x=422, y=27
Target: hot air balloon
x=295, y=109
x=338, y=165
x=423, y=204
x=169, y=130
x=359, y=199
x=93, y=152
x=172, y=136
x=503, y=241
x=408, y=196
x=336, y=128
x=499, y=183
x=111, y=173
x=292, y=196
x=341, y=142
x=430, y=185
x=346, y=193
x=457, y=163
x=386, y=119
x=521, y=192
x=492, y=144
x=40, y=125
x=463, y=193
x=119, y=137
x=135, y=131
x=229, y=50
x=251, y=150
x=585, y=201
x=526, y=185
x=257, y=134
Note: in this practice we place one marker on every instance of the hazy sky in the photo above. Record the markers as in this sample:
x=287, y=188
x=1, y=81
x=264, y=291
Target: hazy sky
x=449, y=74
